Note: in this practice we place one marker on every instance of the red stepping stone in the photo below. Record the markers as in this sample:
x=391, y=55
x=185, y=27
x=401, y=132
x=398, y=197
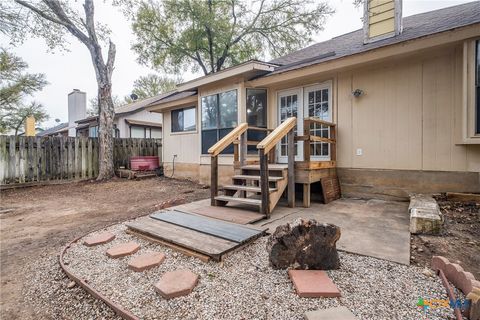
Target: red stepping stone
x=313, y=284
x=123, y=250
x=176, y=283
x=146, y=261
x=100, y=238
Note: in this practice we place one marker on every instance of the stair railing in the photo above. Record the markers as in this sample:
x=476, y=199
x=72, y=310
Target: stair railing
x=216, y=149
x=267, y=144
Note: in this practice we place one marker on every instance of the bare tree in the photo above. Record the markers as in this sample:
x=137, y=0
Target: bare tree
x=47, y=18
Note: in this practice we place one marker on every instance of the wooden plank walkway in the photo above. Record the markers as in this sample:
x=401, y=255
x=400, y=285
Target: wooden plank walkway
x=200, y=234
x=230, y=214
x=213, y=227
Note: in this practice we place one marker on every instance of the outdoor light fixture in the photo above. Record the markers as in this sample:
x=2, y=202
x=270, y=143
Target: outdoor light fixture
x=357, y=93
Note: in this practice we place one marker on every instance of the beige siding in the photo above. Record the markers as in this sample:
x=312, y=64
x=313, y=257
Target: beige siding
x=406, y=118
x=184, y=145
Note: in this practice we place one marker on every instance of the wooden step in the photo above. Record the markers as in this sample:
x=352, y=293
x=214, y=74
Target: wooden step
x=271, y=167
x=250, y=201
x=246, y=188
x=255, y=178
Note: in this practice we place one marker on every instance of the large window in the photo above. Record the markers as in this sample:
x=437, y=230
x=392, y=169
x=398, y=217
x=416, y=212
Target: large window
x=183, y=120
x=219, y=117
x=256, y=115
x=477, y=85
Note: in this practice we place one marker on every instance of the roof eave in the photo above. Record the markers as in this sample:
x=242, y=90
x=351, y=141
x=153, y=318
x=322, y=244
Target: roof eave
x=237, y=70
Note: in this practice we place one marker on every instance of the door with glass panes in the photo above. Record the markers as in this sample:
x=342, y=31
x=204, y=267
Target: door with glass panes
x=290, y=105
x=317, y=103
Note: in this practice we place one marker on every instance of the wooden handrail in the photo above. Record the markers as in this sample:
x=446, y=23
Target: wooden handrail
x=233, y=135
x=260, y=129
x=319, y=121
x=273, y=138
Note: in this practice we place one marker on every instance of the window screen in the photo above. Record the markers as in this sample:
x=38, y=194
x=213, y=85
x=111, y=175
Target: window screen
x=219, y=117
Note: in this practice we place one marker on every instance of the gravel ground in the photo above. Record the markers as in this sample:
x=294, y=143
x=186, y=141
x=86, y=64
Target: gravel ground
x=242, y=287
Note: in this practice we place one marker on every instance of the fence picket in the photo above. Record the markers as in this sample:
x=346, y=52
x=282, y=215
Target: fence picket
x=36, y=159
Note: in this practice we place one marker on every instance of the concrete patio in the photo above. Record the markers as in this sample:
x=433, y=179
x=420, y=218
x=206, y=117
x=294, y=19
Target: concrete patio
x=372, y=228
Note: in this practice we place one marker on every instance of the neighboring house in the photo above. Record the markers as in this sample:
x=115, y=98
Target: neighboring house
x=403, y=93
x=131, y=121
x=60, y=130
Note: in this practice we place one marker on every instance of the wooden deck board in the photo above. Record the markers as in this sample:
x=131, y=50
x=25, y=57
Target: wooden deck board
x=214, y=227
x=229, y=214
x=200, y=242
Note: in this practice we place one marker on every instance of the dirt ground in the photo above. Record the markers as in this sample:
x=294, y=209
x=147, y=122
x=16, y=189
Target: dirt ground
x=460, y=238
x=45, y=218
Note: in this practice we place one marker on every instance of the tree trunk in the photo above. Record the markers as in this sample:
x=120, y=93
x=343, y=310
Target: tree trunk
x=105, y=133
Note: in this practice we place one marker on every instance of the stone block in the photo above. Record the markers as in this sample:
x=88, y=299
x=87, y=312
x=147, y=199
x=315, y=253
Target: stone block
x=425, y=215
x=313, y=284
x=176, y=283
x=338, y=313
x=122, y=250
x=146, y=261
x=98, y=239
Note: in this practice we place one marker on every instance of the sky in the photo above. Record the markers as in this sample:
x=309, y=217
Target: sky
x=66, y=71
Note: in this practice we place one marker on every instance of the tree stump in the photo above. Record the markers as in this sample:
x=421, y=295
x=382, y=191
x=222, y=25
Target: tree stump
x=304, y=244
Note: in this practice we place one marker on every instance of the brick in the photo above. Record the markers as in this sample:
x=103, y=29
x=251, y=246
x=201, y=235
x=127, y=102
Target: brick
x=453, y=272
x=313, y=284
x=98, y=239
x=338, y=313
x=176, y=283
x=463, y=281
x=439, y=263
x=146, y=261
x=123, y=250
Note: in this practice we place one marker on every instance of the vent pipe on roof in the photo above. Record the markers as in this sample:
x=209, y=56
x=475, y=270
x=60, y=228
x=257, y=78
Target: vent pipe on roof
x=382, y=19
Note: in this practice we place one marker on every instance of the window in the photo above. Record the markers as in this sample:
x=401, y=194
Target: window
x=477, y=85
x=137, y=132
x=93, y=132
x=183, y=120
x=155, y=133
x=219, y=117
x=145, y=132
x=256, y=115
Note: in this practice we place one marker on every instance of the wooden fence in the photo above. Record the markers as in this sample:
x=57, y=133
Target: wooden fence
x=37, y=159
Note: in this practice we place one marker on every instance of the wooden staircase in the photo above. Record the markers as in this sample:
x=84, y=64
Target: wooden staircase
x=257, y=185
x=245, y=187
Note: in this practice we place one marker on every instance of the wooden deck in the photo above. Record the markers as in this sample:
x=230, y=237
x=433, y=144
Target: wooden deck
x=196, y=233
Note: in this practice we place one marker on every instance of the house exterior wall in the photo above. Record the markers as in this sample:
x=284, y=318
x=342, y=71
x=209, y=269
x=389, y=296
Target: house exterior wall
x=405, y=123
x=143, y=115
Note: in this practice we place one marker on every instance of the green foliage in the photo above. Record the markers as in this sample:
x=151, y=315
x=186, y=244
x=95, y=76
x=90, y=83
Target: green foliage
x=175, y=35
x=14, y=118
x=152, y=85
x=94, y=108
x=15, y=82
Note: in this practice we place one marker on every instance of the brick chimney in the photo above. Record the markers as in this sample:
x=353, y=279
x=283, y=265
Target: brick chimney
x=77, y=110
x=381, y=19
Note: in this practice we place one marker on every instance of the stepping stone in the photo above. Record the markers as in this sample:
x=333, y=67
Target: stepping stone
x=338, y=313
x=176, y=283
x=313, y=284
x=123, y=250
x=100, y=238
x=146, y=261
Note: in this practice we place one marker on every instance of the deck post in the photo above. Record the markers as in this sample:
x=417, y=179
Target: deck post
x=243, y=149
x=213, y=179
x=264, y=185
x=291, y=168
x=306, y=143
x=306, y=195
